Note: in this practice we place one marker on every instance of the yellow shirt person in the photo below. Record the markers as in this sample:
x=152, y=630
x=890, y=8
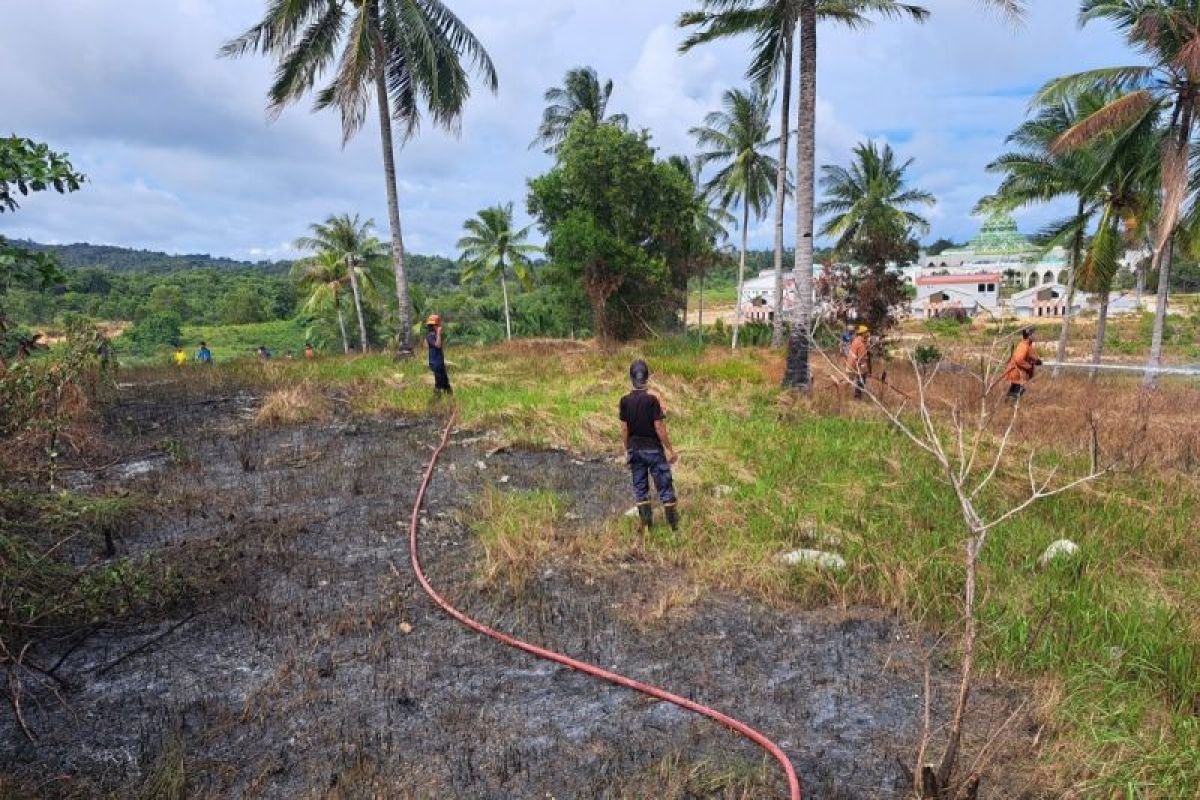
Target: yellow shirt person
x=180, y=357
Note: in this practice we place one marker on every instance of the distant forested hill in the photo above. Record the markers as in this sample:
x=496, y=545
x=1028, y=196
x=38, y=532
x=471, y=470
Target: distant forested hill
x=124, y=259
x=432, y=273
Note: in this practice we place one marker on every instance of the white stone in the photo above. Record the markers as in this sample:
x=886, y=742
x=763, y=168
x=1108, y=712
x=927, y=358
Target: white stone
x=633, y=512
x=1063, y=547
x=503, y=479
x=818, y=558
x=480, y=465
x=722, y=490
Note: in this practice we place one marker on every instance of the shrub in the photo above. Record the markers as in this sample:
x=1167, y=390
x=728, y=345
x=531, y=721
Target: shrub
x=927, y=354
x=153, y=333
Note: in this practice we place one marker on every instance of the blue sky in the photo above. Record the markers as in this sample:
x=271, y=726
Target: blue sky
x=182, y=157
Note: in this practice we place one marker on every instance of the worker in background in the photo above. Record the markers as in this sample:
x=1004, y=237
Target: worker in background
x=179, y=358
x=437, y=357
x=648, y=450
x=204, y=355
x=263, y=353
x=1021, y=366
x=309, y=352
x=858, y=359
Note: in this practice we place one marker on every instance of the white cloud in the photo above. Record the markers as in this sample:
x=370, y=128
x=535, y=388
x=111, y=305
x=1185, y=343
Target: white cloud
x=181, y=156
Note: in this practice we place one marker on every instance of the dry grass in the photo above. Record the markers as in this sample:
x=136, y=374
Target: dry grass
x=293, y=405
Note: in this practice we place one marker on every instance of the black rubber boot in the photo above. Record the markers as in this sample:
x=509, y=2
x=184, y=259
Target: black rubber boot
x=672, y=516
x=646, y=513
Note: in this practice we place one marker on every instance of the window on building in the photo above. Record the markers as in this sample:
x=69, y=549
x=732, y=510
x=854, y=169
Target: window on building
x=991, y=287
x=982, y=288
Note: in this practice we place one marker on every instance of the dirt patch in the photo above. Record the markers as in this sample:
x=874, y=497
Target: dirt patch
x=315, y=667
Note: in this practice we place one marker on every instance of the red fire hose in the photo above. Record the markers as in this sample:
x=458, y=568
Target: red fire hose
x=596, y=672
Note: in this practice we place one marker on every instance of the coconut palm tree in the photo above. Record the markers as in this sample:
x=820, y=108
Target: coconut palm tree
x=773, y=24
x=1036, y=173
x=1167, y=32
x=870, y=194
x=409, y=53
x=737, y=140
x=710, y=223
x=323, y=277
x=491, y=247
x=349, y=243
x=855, y=14
x=581, y=93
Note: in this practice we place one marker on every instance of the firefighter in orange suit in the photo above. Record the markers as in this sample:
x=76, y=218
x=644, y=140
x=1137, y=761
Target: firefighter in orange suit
x=1022, y=365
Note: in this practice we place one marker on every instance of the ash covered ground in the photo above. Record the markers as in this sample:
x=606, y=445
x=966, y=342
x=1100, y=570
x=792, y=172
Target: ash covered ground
x=313, y=666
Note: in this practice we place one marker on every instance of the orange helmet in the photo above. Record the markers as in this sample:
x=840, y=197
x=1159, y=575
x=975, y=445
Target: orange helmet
x=434, y=319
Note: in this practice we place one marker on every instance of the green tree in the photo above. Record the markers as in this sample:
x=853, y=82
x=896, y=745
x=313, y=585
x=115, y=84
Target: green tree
x=154, y=332
x=868, y=210
x=242, y=305
x=349, y=242
x=322, y=277
x=1167, y=32
x=940, y=246
x=581, y=93
x=616, y=222
x=710, y=228
x=490, y=248
x=165, y=297
x=773, y=24
x=1098, y=175
x=408, y=53
x=737, y=140
x=27, y=166
x=796, y=375
x=870, y=197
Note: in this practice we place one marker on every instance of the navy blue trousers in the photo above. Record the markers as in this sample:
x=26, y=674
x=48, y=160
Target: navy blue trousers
x=647, y=464
x=441, y=378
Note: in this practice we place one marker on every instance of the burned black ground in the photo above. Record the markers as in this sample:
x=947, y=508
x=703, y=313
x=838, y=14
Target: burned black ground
x=310, y=664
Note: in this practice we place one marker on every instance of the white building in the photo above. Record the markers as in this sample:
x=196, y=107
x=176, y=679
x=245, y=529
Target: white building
x=946, y=295
x=1049, y=300
x=758, y=296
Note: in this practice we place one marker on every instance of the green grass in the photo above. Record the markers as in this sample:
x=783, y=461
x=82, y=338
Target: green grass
x=1114, y=631
x=228, y=342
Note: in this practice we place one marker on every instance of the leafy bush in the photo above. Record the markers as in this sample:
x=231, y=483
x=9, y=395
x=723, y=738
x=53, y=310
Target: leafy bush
x=153, y=333
x=927, y=354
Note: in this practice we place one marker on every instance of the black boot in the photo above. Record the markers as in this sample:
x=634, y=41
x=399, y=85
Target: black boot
x=672, y=516
x=646, y=513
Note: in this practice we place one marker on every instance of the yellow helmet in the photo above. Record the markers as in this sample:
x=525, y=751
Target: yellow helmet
x=862, y=329
x=434, y=319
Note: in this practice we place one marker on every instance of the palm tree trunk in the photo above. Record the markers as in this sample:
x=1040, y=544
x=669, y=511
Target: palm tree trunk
x=1174, y=183
x=737, y=313
x=358, y=308
x=785, y=141
x=700, y=316
x=342, y=325
x=1101, y=329
x=797, y=376
x=1160, y=314
x=404, y=337
x=1139, y=285
x=1076, y=254
x=504, y=291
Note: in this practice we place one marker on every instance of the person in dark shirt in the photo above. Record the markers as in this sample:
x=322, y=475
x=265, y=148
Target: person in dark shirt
x=437, y=358
x=648, y=450
x=204, y=355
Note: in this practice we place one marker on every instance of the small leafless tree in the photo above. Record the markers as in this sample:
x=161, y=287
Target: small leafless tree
x=968, y=433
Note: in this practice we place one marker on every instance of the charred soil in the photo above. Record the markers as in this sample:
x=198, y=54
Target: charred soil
x=307, y=663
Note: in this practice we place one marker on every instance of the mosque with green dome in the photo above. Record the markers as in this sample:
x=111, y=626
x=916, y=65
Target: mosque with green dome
x=1000, y=247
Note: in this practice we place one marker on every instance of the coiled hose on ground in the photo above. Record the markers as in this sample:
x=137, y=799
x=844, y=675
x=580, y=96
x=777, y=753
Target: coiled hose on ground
x=590, y=669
